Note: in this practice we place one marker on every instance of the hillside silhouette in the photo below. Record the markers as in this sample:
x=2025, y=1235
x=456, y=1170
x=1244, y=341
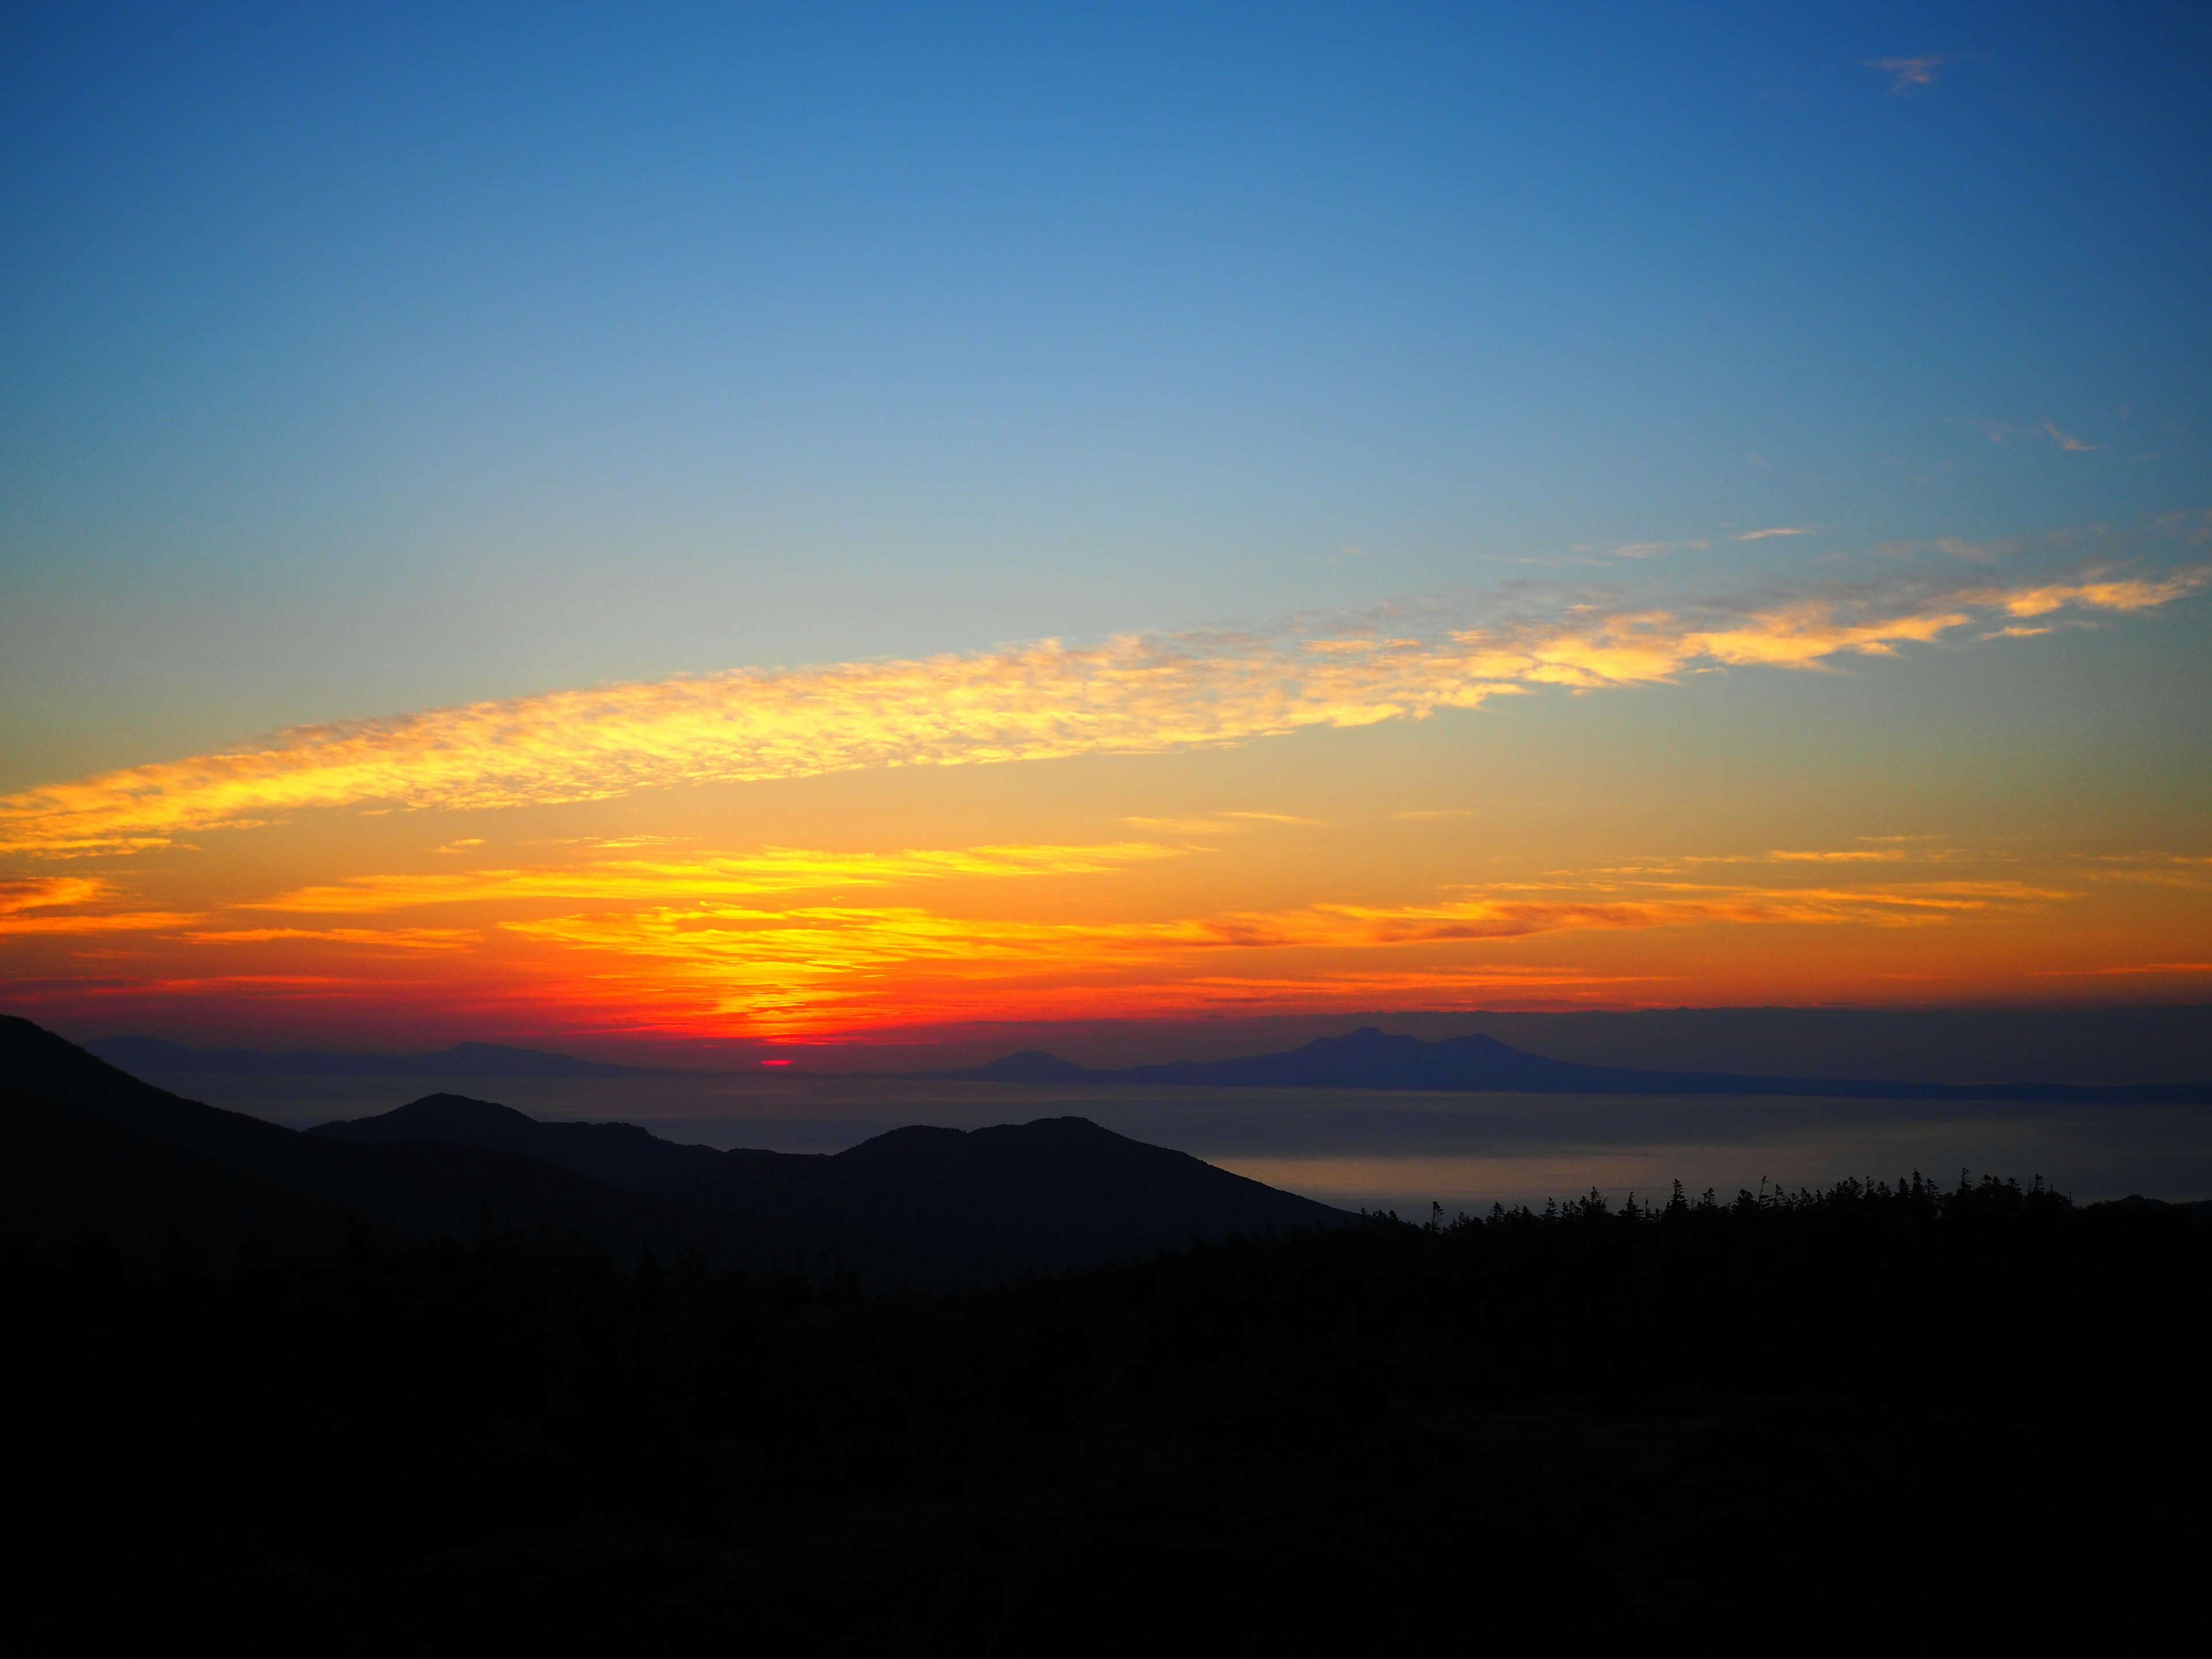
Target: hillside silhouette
x=100, y=1152
x=1370, y=1058
x=620, y=1154
x=278, y=1389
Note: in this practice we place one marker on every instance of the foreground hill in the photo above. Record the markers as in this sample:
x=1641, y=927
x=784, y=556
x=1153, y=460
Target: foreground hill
x=92, y=1151
x=926, y=1205
x=1373, y=1059
x=1905, y=1416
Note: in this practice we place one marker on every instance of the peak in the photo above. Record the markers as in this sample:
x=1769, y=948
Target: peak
x=1365, y=1037
x=455, y=1108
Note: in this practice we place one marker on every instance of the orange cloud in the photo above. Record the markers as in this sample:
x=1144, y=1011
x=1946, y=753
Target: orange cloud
x=838, y=965
x=1130, y=695
x=20, y=895
x=770, y=869
x=113, y=922
x=403, y=939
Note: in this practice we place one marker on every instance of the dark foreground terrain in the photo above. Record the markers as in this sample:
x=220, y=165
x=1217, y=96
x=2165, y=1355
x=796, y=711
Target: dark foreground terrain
x=1889, y=1415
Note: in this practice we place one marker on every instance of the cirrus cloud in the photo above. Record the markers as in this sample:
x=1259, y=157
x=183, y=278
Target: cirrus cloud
x=1133, y=695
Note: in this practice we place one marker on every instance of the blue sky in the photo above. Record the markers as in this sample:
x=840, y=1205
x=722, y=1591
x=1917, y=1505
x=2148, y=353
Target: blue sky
x=368, y=358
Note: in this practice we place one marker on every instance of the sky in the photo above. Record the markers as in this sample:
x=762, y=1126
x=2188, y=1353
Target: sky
x=792, y=530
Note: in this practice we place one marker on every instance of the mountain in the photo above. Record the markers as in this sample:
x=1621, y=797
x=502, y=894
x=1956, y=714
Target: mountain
x=930, y=1205
x=1372, y=1058
x=943, y=1205
x=619, y=1154
x=141, y=1054
x=88, y=1150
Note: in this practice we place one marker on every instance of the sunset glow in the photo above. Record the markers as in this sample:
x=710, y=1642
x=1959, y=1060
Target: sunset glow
x=1363, y=560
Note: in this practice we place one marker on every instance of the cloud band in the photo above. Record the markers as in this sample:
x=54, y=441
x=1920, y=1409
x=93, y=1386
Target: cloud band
x=1129, y=696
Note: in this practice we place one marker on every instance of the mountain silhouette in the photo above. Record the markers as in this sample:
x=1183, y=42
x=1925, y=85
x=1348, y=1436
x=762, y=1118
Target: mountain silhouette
x=620, y=1154
x=1370, y=1058
x=942, y=1205
x=88, y=1150
x=91, y=1149
x=141, y=1054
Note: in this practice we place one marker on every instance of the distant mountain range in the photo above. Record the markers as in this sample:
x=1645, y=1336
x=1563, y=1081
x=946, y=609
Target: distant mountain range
x=89, y=1151
x=1366, y=1059
x=1372, y=1058
x=464, y=1060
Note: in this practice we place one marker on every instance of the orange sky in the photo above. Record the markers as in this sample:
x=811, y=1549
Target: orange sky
x=1833, y=795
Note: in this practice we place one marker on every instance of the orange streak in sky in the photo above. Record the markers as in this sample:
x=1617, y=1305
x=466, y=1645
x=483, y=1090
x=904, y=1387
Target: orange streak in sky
x=1130, y=695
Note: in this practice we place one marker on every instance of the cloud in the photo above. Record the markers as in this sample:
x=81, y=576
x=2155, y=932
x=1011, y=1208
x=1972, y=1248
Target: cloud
x=44, y=892
x=21, y=895
x=1649, y=550
x=821, y=965
x=746, y=875
x=1422, y=814
x=2066, y=440
x=2093, y=593
x=400, y=939
x=1909, y=75
x=1854, y=855
x=113, y=922
x=1780, y=529
x=1133, y=695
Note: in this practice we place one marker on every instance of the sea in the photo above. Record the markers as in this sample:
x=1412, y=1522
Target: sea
x=1374, y=1150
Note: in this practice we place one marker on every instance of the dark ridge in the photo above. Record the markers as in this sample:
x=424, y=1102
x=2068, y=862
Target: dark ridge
x=463, y=1059
x=1372, y=1058
x=943, y=1206
x=620, y=1154
x=91, y=1150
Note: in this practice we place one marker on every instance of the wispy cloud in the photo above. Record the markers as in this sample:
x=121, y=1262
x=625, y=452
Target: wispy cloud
x=21, y=895
x=738, y=875
x=110, y=922
x=1136, y=695
x=1645, y=550
x=1849, y=856
x=45, y=892
x=2066, y=439
x=397, y=939
x=1780, y=529
x=1909, y=75
x=814, y=966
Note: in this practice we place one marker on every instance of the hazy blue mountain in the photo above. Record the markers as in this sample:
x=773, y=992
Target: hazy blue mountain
x=139, y=1054
x=1372, y=1058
